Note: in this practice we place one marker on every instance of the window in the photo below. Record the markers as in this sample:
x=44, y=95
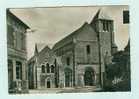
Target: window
x=19, y=70
x=52, y=69
x=23, y=40
x=105, y=25
x=10, y=35
x=43, y=69
x=68, y=60
x=125, y=17
x=48, y=69
x=88, y=49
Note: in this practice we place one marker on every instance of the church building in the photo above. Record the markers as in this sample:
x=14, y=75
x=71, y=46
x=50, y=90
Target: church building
x=79, y=58
x=42, y=69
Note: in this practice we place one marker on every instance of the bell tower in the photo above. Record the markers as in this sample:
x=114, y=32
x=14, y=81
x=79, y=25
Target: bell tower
x=103, y=25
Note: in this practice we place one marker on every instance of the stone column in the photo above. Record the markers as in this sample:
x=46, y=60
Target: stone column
x=82, y=80
x=77, y=72
x=97, y=79
x=64, y=81
x=34, y=76
x=23, y=70
x=80, y=77
x=79, y=82
x=24, y=75
x=14, y=70
x=37, y=73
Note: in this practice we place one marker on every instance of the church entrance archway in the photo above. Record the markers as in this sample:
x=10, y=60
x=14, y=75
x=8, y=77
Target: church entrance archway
x=68, y=77
x=89, y=76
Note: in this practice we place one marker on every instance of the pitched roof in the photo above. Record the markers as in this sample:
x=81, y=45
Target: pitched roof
x=9, y=13
x=43, y=54
x=46, y=54
x=69, y=38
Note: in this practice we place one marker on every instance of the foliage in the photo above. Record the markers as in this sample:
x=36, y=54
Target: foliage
x=120, y=69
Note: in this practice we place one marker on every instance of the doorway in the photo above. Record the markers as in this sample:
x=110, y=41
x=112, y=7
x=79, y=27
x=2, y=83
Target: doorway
x=68, y=77
x=89, y=77
x=48, y=84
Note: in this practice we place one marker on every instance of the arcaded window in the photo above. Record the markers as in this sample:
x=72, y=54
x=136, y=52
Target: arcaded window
x=43, y=69
x=88, y=50
x=52, y=69
x=105, y=25
x=48, y=68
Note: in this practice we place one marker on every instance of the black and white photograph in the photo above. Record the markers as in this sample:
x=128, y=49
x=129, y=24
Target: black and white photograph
x=68, y=49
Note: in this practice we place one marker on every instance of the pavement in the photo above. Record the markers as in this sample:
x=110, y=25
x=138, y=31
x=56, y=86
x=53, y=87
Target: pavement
x=66, y=90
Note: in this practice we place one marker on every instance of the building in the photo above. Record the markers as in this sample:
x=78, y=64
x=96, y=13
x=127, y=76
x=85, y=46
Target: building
x=41, y=68
x=82, y=52
x=17, y=55
x=79, y=57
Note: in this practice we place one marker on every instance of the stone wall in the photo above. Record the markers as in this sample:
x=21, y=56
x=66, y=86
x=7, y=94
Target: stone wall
x=16, y=43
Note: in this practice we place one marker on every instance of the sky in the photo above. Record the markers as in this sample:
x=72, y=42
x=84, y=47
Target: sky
x=51, y=24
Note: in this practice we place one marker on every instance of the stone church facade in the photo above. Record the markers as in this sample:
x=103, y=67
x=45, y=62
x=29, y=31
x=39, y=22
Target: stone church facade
x=41, y=69
x=17, y=54
x=79, y=59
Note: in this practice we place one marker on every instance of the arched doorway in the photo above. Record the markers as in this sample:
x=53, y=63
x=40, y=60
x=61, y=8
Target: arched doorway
x=48, y=84
x=89, y=77
x=68, y=77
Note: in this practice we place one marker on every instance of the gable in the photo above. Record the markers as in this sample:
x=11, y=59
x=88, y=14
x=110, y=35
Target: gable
x=45, y=54
x=86, y=33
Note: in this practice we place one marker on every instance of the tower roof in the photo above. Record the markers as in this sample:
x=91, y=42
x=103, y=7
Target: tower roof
x=101, y=14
